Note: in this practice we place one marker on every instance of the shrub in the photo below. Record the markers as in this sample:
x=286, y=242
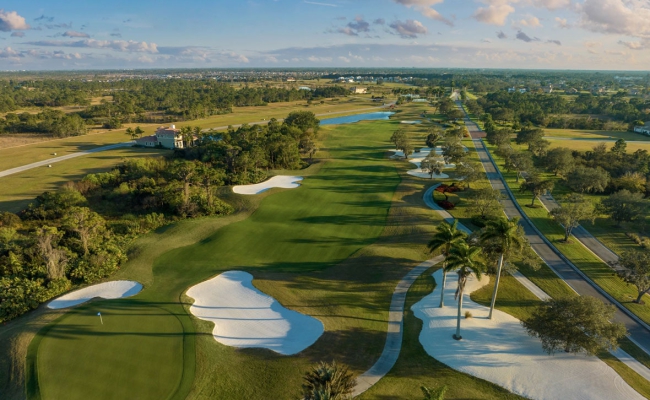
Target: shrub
x=468, y=314
x=447, y=205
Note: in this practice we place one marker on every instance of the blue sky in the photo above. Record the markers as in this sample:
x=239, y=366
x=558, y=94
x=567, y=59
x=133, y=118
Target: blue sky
x=574, y=34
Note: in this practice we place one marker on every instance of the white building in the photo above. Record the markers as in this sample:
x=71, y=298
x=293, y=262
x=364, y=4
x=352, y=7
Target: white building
x=358, y=90
x=169, y=138
x=644, y=129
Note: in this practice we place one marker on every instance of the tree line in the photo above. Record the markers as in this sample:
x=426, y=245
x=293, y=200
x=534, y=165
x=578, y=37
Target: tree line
x=80, y=233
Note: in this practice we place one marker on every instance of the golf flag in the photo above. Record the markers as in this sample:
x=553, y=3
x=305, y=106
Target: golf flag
x=100, y=318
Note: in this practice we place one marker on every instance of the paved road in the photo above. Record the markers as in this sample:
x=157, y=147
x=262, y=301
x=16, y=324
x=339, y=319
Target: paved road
x=393, y=343
x=62, y=158
x=638, y=332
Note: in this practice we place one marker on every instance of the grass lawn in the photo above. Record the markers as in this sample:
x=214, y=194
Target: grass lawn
x=593, y=134
x=296, y=245
x=11, y=157
x=585, y=145
x=18, y=190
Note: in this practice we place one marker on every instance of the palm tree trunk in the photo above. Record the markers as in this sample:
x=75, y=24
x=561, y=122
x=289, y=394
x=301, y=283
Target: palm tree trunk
x=460, y=312
x=442, y=288
x=496, y=286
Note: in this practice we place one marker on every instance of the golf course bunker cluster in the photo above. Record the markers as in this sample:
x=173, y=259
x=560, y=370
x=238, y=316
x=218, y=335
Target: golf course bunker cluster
x=106, y=290
x=500, y=351
x=245, y=317
x=417, y=157
x=279, y=181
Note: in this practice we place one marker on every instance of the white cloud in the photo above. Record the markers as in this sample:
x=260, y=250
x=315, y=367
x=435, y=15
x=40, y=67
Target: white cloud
x=532, y=22
x=624, y=17
x=118, y=45
x=562, y=23
x=636, y=45
x=495, y=13
x=11, y=21
x=409, y=29
x=425, y=7
x=8, y=52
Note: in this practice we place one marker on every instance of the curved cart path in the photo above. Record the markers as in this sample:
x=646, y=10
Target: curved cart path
x=395, y=329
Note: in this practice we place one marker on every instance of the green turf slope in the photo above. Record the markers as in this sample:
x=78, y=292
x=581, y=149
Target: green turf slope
x=336, y=212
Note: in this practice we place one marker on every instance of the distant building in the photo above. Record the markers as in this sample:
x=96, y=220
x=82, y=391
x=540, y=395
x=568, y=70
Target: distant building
x=358, y=90
x=644, y=129
x=548, y=89
x=571, y=91
x=512, y=90
x=522, y=90
x=304, y=88
x=291, y=79
x=169, y=138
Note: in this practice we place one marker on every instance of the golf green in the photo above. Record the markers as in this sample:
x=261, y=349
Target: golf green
x=142, y=352
x=85, y=358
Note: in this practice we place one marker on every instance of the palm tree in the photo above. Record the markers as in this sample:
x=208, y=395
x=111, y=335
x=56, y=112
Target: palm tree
x=328, y=382
x=509, y=238
x=446, y=236
x=466, y=259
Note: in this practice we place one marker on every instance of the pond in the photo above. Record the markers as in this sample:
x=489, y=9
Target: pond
x=356, y=118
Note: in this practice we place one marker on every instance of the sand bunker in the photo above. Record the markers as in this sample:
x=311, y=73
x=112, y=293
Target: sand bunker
x=106, y=290
x=417, y=157
x=500, y=351
x=279, y=181
x=245, y=317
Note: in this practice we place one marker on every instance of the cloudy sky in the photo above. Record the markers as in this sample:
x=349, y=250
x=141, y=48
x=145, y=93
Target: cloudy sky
x=572, y=34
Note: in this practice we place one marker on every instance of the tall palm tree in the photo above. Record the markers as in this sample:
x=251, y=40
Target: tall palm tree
x=446, y=236
x=509, y=239
x=466, y=260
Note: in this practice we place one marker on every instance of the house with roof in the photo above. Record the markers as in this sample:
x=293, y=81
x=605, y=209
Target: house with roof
x=169, y=138
x=643, y=129
x=358, y=90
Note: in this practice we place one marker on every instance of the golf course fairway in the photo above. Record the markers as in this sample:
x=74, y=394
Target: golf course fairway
x=303, y=234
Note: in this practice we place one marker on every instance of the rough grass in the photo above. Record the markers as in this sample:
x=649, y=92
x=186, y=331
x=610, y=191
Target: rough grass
x=593, y=134
x=20, y=189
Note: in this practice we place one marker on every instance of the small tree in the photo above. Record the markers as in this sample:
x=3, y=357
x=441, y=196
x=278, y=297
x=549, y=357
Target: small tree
x=398, y=136
x=138, y=131
x=637, y=271
x=446, y=236
x=536, y=186
x=559, y=161
x=519, y=162
x=326, y=381
x=580, y=324
x=432, y=165
x=485, y=202
x=131, y=132
x=585, y=179
x=434, y=137
x=528, y=135
x=469, y=171
x=624, y=206
x=573, y=209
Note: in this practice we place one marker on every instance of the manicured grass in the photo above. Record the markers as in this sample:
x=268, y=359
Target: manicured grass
x=586, y=145
x=593, y=134
x=17, y=156
x=20, y=189
x=579, y=255
x=292, y=244
x=109, y=353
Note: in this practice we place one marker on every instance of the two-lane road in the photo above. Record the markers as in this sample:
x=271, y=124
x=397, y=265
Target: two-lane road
x=638, y=331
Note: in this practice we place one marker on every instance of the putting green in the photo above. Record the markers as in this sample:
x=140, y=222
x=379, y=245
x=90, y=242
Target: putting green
x=136, y=353
x=301, y=231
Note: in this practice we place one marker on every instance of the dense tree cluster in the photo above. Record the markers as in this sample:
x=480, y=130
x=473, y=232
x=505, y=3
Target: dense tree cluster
x=52, y=122
x=550, y=110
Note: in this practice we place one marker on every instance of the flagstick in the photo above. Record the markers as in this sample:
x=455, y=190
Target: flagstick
x=100, y=318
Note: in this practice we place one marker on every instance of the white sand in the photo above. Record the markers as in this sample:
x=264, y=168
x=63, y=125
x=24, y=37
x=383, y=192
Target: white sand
x=106, y=290
x=417, y=157
x=410, y=122
x=500, y=351
x=279, y=181
x=245, y=317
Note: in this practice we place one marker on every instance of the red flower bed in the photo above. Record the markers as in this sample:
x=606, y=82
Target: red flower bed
x=447, y=205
